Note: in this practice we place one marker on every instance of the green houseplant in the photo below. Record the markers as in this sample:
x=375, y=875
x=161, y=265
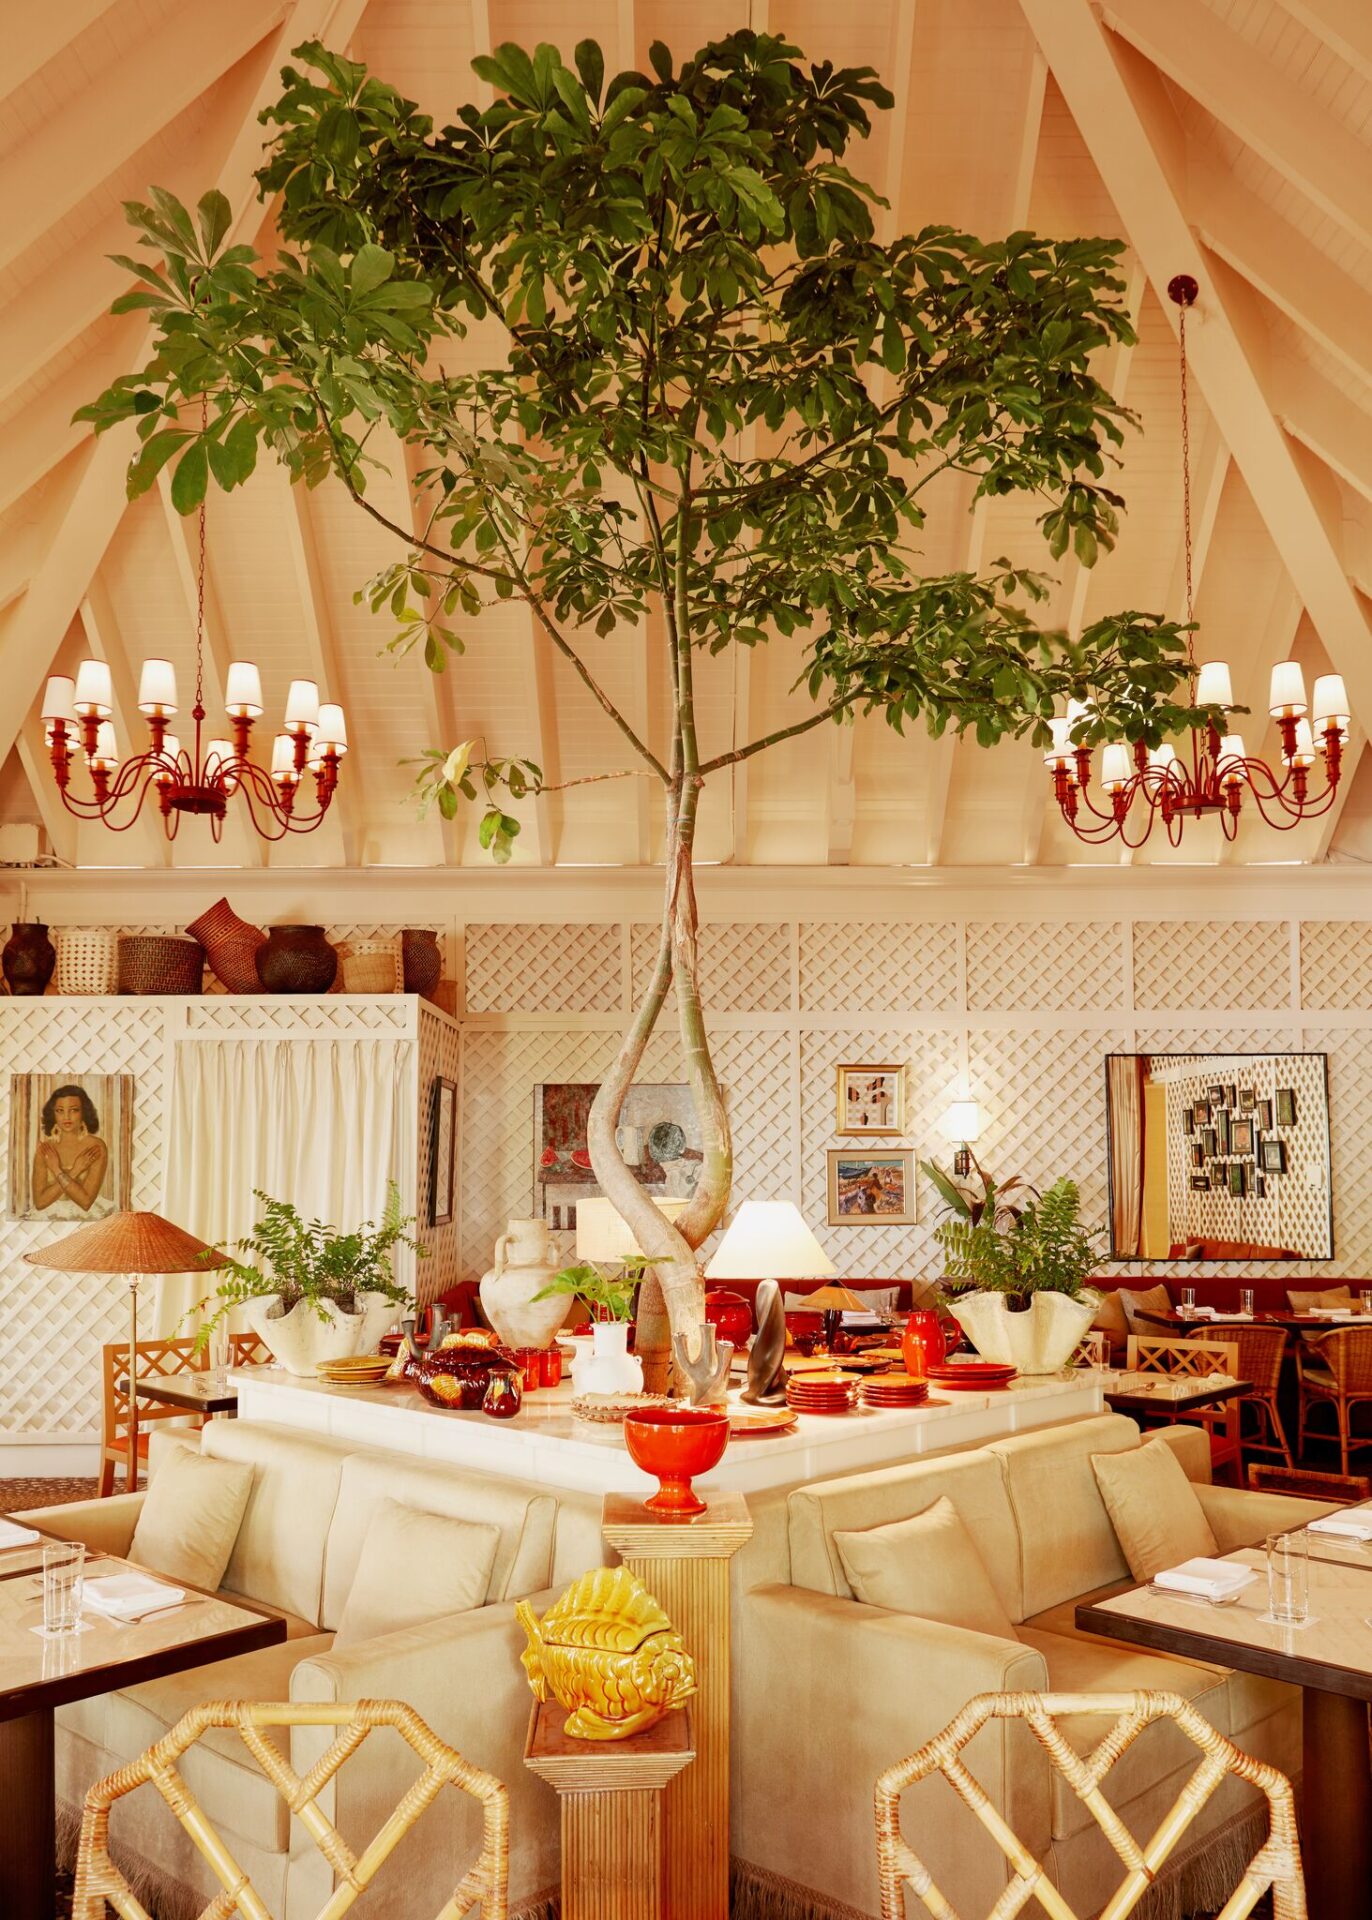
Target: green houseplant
x=721, y=402
x=308, y=1292
x=608, y=1366
x=1015, y=1269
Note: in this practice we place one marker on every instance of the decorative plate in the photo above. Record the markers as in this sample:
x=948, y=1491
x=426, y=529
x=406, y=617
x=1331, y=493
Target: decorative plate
x=608, y=1409
x=746, y=1422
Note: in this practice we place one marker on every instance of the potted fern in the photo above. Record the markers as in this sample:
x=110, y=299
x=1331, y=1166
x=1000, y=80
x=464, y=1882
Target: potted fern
x=310, y=1293
x=1015, y=1268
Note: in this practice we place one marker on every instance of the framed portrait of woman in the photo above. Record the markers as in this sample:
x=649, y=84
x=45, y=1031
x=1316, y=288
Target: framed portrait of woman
x=71, y=1145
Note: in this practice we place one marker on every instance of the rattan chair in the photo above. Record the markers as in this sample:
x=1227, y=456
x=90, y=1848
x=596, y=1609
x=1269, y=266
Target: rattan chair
x=1276, y=1866
x=1261, y=1352
x=483, y=1889
x=1195, y=1359
x=1335, y=1371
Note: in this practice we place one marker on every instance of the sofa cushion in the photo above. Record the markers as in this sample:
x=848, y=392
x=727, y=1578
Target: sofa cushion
x=1157, y=1517
x=415, y=1567
x=1150, y=1299
x=927, y=1565
x=974, y=1482
x=1065, y=1539
x=524, y=1516
x=1321, y=1297
x=279, y=1554
x=190, y=1518
x=1110, y=1320
x=220, y=1772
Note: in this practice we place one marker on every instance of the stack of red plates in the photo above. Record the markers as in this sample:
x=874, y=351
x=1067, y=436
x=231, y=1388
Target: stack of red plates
x=821, y=1392
x=893, y=1390
x=972, y=1376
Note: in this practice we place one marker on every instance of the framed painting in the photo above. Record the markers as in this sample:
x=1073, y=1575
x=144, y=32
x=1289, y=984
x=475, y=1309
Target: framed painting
x=443, y=1160
x=1200, y=1183
x=871, y=1189
x=1222, y=1130
x=1215, y=1095
x=1272, y=1155
x=1188, y=1120
x=1242, y=1136
x=871, y=1100
x=1237, y=1179
x=1202, y=1111
x=71, y=1145
x=1210, y=1141
x=1248, y=1099
x=658, y=1135
x=1284, y=1106
x=1264, y=1111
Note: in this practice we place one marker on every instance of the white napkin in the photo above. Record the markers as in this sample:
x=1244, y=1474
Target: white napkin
x=1215, y=1579
x=16, y=1536
x=122, y=1596
x=1352, y=1526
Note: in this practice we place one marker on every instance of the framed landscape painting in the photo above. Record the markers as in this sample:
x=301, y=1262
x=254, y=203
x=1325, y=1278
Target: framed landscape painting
x=871, y=1189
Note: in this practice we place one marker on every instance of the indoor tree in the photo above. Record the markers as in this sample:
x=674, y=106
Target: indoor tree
x=721, y=403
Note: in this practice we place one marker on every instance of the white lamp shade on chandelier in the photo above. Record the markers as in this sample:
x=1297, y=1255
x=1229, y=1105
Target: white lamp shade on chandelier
x=604, y=1236
x=765, y=1239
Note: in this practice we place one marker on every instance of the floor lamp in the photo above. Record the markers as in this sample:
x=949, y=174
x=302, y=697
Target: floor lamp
x=131, y=1244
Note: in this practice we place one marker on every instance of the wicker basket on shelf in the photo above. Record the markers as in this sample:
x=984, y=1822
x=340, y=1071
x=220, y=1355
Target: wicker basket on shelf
x=160, y=963
x=85, y=960
x=372, y=966
x=230, y=947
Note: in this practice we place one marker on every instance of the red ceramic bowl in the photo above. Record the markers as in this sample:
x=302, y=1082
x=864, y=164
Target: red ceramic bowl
x=675, y=1443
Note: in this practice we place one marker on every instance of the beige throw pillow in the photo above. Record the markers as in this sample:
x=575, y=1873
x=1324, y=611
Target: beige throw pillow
x=1110, y=1319
x=415, y=1567
x=1323, y=1297
x=1151, y=1300
x=926, y=1565
x=1158, y=1520
x=190, y=1518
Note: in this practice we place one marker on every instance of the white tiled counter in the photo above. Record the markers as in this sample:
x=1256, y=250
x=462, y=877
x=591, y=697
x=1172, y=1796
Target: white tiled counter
x=544, y=1443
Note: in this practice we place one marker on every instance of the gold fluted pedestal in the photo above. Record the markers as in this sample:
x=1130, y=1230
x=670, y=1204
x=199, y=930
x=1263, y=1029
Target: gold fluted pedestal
x=613, y=1851
x=685, y=1565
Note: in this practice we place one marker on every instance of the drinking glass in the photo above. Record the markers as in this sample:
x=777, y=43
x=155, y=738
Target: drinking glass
x=1246, y=1301
x=64, y=1566
x=219, y=1357
x=1365, y=1300
x=1288, y=1578
x=1188, y=1299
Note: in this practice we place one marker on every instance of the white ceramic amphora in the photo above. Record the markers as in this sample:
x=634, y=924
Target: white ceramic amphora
x=524, y=1264
x=609, y=1367
x=298, y=1340
x=1039, y=1339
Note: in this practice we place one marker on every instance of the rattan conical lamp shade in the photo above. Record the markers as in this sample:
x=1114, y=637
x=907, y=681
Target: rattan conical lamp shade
x=128, y=1243
x=835, y=1298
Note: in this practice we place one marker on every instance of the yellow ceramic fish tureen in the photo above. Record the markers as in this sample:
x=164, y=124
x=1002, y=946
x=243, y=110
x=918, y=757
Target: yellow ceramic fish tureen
x=607, y=1653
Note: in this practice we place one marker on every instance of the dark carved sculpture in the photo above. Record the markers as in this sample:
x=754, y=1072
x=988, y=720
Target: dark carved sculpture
x=766, y=1374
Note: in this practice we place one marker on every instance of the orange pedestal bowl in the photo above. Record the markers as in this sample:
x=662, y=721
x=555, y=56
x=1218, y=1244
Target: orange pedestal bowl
x=676, y=1443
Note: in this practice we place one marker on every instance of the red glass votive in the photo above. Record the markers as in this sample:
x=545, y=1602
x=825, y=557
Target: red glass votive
x=530, y=1359
x=550, y=1366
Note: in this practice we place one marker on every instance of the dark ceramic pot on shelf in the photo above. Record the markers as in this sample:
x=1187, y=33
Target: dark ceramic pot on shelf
x=296, y=960
x=28, y=958
x=423, y=963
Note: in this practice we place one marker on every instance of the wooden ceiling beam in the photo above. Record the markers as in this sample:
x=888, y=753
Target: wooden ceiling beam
x=56, y=167
x=1344, y=26
x=43, y=434
x=1116, y=108
x=1248, y=93
x=36, y=34
x=1322, y=417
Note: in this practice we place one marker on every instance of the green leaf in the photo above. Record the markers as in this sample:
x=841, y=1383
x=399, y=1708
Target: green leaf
x=590, y=64
x=190, y=479
x=372, y=265
x=214, y=217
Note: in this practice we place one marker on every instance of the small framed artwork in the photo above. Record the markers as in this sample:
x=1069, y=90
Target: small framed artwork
x=1188, y=1120
x=1248, y=1099
x=1272, y=1155
x=443, y=1122
x=1265, y=1115
x=1259, y=1187
x=1198, y=1157
x=1285, y=1106
x=1222, y=1130
x=1237, y=1179
x=1215, y=1095
x=1241, y=1135
x=1202, y=1112
x=1200, y=1183
x=871, y=1189
x=1210, y=1141
x=870, y=1100
x=1231, y=1096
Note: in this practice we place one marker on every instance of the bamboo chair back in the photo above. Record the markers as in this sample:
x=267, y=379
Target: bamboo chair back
x=1347, y=1352
x=1261, y=1350
x=1182, y=1359
x=483, y=1888
x=1276, y=1867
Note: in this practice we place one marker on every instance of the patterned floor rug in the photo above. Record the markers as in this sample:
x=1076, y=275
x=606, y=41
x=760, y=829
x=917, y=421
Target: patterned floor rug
x=16, y=1496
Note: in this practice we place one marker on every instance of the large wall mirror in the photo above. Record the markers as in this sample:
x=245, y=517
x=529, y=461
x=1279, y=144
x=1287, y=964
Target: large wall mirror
x=1219, y=1156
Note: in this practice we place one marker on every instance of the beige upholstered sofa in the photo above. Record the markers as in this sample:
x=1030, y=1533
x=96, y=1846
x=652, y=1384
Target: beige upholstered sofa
x=828, y=1691
x=296, y=1552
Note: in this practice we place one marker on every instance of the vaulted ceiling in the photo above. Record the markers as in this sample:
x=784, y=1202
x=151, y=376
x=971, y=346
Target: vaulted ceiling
x=1231, y=139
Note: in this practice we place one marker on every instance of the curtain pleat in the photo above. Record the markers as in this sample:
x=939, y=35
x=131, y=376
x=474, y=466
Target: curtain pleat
x=1124, y=1080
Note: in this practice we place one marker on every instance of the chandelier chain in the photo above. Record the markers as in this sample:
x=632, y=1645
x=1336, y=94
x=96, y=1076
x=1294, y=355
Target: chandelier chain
x=200, y=583
x=1186, y=484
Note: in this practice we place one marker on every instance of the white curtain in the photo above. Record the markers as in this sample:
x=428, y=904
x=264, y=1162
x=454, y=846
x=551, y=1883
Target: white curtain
x=321, y=1123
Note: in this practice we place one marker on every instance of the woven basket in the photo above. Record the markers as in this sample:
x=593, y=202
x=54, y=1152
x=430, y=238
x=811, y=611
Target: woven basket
x=85, y=959
x=372, y=966
x=160, y=963
x=230, y=947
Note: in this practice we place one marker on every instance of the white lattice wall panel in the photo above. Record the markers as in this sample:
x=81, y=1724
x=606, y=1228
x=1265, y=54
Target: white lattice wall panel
x=544, y=969
x=744, y=968
x=330, y=1015
x=55, y=1324
x=1014, y=965
x=1336, y=965
x=1185, y=964
x=1350, y=1120
x=440, y=1048
x=931, y=1076
x=878, y=967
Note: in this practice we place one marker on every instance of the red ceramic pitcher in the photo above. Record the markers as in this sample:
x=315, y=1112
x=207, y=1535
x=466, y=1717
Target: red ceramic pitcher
x=922, y=1344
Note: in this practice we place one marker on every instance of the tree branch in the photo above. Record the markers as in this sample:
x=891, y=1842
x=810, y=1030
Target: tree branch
x=782, y=733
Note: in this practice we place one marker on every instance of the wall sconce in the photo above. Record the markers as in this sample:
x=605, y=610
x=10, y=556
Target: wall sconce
x=961, y=1126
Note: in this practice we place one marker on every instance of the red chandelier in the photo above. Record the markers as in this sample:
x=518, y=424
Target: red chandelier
x=205, y=776
x=1143, y=786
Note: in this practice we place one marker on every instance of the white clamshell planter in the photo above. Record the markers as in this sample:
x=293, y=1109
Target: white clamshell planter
x=1038, y=1339
x=300, y=1339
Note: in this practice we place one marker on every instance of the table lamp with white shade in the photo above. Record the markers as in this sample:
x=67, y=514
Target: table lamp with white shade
x=767, y=1238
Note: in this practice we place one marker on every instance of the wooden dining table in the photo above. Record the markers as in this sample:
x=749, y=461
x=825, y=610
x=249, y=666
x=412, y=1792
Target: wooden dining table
x=38, y=1675
x=1329, y=1658
x=1196, y=1325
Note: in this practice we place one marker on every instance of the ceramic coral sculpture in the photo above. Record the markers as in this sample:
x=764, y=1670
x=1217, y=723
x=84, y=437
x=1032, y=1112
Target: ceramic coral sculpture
x=607, y=1653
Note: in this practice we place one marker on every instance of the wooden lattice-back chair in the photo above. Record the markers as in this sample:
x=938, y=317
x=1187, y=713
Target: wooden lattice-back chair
x=246, y=1350
x=1335, y=1371
x=155, y=1359
x=483, y=1889
x=1276, y=1867
x=1196, y=1359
